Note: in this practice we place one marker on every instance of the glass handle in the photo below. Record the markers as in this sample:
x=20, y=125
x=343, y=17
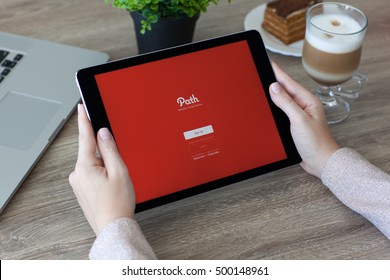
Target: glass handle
x=353, y=88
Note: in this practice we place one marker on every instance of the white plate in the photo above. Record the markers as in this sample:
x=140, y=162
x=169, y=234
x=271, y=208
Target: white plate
x=254, y=19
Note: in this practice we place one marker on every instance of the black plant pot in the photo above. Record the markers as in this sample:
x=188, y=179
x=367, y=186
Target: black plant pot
x=167, y=32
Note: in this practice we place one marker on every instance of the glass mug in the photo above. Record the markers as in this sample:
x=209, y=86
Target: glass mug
x=331, y=53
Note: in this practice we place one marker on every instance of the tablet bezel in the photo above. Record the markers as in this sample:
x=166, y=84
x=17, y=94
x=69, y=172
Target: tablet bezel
x=95, y=108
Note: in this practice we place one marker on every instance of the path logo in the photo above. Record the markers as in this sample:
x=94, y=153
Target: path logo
x=181, y=101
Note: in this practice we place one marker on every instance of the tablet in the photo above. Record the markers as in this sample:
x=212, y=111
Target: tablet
x=192, y=118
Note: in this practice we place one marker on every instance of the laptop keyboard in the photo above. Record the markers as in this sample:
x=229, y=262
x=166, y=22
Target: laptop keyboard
x=8, y=62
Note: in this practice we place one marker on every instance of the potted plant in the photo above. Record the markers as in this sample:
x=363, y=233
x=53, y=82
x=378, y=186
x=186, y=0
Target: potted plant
x=163, y=23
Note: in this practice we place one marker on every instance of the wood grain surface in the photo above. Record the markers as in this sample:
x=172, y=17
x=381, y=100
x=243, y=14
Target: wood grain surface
x=286, y=214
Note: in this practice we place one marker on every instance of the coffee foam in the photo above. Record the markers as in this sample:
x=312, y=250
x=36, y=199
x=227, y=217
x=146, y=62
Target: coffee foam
x=337, y=25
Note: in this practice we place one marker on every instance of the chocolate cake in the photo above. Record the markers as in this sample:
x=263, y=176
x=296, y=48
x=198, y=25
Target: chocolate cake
x=286, y=19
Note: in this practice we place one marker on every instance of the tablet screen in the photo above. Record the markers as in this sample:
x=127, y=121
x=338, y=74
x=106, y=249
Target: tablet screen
x=188, y=120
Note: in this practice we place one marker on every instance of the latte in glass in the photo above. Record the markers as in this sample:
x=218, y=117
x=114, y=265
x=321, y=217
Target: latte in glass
x=332, y=48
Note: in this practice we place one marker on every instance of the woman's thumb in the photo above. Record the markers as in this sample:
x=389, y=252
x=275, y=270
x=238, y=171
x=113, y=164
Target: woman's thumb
x=109, y=151
x=284, y=101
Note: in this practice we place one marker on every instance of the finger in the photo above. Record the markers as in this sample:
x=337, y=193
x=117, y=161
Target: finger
x=110, y=154
x=284, y=101
x=301, y=95
x=72, y=179
x=87, y=142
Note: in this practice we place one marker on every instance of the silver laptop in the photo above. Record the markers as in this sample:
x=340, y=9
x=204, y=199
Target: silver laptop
x=38, y=93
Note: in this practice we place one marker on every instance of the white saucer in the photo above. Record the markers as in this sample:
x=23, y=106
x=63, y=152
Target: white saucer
x=254, y=19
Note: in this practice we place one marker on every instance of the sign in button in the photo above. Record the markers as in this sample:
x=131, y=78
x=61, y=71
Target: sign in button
x=198, y=132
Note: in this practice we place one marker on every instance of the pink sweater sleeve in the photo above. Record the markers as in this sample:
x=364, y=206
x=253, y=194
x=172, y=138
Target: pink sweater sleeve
x=360, y=185
x=121, y=240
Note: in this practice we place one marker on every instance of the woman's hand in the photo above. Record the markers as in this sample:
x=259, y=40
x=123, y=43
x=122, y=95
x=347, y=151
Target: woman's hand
x=309, y=127
x=101, y=184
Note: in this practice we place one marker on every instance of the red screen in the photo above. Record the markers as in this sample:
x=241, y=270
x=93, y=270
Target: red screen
x=187, y=120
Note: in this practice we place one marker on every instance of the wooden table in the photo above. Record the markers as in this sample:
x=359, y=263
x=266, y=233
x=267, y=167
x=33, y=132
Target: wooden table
x=286, y=214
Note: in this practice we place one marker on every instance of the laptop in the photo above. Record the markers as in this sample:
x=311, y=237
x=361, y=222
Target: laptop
x=37, y=96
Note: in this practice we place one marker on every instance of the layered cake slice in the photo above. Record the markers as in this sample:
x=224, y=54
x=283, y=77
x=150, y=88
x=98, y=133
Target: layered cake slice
x=286, y=19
